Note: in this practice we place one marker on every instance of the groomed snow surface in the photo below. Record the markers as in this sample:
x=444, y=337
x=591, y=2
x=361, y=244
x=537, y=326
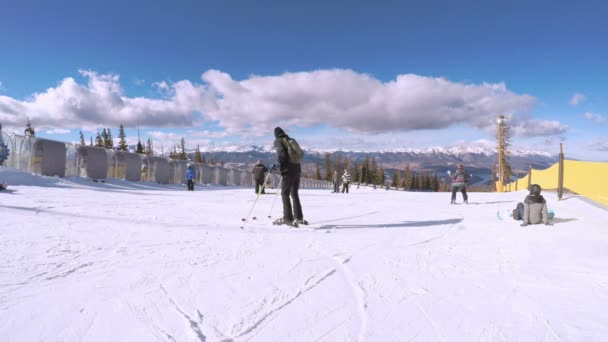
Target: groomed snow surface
x=120, y=261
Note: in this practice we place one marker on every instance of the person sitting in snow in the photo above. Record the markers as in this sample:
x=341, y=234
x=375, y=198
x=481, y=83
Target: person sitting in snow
x=534, y=208
x=190, y=176
x=460, y=179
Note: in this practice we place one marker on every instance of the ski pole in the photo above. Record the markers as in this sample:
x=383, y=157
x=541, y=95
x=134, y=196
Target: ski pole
x=254, y=202
x=275, y=197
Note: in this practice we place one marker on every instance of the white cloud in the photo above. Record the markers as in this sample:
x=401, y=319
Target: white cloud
x=354, y=101
x=102, y=103
x=577, y=98
x=599, y=145
x=536, y=128
x=139, y=81
x=597, y=118
x=338, y=98
x=58, y=131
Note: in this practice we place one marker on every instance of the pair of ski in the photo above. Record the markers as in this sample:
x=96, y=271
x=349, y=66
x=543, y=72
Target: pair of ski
x=278, y=222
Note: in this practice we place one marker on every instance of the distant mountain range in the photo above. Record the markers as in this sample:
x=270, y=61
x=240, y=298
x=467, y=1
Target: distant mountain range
x=477, y=159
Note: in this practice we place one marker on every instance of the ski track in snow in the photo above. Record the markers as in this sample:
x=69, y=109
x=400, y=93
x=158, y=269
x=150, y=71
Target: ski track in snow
x=153, y=262
x=257, y=322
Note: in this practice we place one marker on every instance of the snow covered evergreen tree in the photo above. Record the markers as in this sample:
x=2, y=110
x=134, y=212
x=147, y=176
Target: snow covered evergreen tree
x=82, y=143
x=110, y=142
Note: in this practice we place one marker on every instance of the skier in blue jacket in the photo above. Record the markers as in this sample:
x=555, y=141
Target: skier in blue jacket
x=190, y=176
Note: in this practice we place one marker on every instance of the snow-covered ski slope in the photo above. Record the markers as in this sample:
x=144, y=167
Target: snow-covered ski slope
x=84, y=261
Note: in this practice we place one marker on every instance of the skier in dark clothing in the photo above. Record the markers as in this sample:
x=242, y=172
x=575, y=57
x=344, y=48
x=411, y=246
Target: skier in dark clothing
x=460, y=179
x=336, y=180
x=190, y=176
x=258, y=175
x=290, y=182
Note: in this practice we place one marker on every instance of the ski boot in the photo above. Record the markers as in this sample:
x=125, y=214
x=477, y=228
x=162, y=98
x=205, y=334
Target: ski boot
x=299, y=222
x=453, y=202
x=282, y=221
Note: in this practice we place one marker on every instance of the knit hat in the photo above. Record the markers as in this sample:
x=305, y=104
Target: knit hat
x=278, y=131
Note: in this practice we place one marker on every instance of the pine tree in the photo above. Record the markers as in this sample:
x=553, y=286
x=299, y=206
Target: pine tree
x=372, y=172
x=380, y=176
x=203, y=160
x=98, y=140
x=91, y=144
x=104, y=138
x=122, y=139
x=212, y=161
x=182, y=150
x=397, y=179
x=149, y=148
x=317, y=171
x=407, y=178
x=435, y=183
x=365, y=170
x=29, y=130
x=139, y=148
x=347, y=165
x=197, y=154
x=82, y=143
x=110, y=144
x=503, y=146
x=338, y=164
x=356, y=173
x=327, y=167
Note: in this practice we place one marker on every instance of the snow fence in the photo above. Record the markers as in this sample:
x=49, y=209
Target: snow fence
x=54, y=158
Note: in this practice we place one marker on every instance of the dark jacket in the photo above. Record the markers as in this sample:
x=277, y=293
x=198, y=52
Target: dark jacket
x=282, y=154
x=258, y=171
x=460, y=178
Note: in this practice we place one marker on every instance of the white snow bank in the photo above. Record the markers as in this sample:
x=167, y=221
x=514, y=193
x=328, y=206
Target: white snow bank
x=84, y=261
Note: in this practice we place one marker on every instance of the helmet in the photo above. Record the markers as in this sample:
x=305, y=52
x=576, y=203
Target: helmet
x=535, y=189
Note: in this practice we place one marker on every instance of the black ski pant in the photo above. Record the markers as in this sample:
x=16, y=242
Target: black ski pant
x=290, y=184
x=259, y=185
x=345, y=187
x=190, y=185
x=463, y=189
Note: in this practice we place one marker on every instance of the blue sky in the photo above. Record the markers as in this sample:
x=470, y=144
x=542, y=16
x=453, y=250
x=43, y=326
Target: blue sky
x=344, y=74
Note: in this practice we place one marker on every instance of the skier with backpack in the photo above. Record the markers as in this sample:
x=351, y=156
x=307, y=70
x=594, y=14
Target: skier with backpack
x=289, y=155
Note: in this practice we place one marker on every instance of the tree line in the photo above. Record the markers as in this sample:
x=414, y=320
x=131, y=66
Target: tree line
x=369, y=172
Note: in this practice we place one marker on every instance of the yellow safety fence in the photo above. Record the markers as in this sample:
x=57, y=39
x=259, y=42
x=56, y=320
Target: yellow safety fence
x=584, y=178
